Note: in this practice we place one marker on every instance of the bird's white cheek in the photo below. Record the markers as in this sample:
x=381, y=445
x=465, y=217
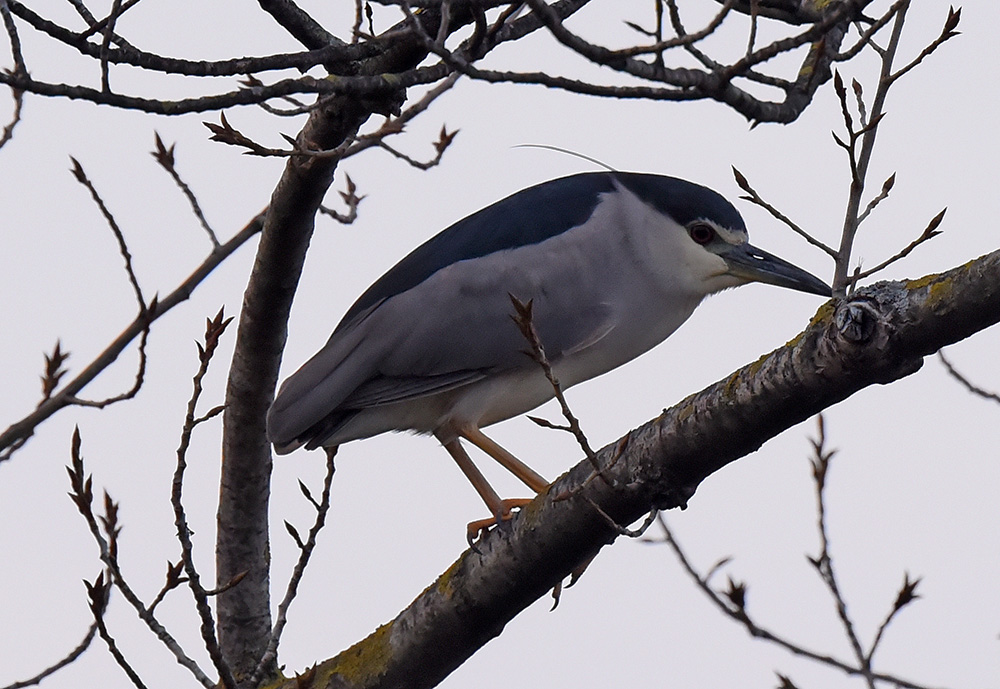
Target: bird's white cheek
x=720, y=281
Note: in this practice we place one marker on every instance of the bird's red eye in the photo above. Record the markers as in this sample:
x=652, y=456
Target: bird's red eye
x=701, y=233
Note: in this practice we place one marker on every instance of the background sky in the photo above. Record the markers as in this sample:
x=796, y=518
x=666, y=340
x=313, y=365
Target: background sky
x=912, y=488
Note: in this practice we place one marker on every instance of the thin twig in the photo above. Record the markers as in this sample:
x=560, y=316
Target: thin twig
x=214, y=329
x=726, y=604
x=165, y=157
x=882, y=195
x=15, y=41
x=8, y=130
x=522, y=317
x=930, y=232
x=109, y=32
x=950, y=24
x=82, y=494
x=173, y=580
x=865, y=39
x=15, y=436
x=351, y=200
x=100, y=24
x=969, y=385
x=756, y=199
x=824, y=561
x=98, y=593
x=82, y=178
x=305, y=552
x=140, y=376
x=396, y=124
x=55, y=667
x=906, y=595
x=860, y=158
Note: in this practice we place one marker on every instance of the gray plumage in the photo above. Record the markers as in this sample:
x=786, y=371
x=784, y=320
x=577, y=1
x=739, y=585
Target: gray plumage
x=613, y=263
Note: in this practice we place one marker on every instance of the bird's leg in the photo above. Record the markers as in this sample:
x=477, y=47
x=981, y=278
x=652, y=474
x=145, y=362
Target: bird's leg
x=498, y=507
x=529, y=476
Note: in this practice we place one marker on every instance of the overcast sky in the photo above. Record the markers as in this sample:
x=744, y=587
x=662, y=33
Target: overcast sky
x=912, y=488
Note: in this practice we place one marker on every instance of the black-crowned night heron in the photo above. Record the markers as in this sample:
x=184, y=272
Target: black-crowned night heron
x=613, y=263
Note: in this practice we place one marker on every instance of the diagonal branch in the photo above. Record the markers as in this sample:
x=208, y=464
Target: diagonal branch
x=880, y=335
x=18, y=433
x=63, y=662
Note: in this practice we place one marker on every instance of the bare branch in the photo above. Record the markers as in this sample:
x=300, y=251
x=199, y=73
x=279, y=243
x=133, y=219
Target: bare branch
x=214, y=329
x=860, y=158
x=299, y=24
x=140, y=375
x=335, y=55
x=165, y=157
x=54, y=371
x=523, y=319
x=930, y=232
x=866, y=38
x=351, y=200
x=109, y=33
x=397, y=124
x=906, y=595
x=8, y=130
x=100, y=25
x=444, y=140
x=948, y=32
x=755, y=198
x=732, y=603
x=55, y=667
x=173, y=580
x=82, y=178
x=971, y=387
x=824, y=561
x=98, y=593
x=305, y=552
x=14, y=437
x=82, y=495
x=882, y=195
x=13, y=38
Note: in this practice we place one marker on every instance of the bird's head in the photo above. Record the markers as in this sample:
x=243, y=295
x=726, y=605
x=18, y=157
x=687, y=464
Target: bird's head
x=709, y=242
x=738, y=262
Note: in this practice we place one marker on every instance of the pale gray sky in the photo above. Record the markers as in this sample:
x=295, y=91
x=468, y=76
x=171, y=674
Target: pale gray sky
x=912, y=488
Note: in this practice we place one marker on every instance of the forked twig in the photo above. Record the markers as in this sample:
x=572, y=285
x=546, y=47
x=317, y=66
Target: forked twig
x=522, y=317
x=105, y=534
x=214, y=329
x=17, y=434
x=98, y=592
x=306, y=548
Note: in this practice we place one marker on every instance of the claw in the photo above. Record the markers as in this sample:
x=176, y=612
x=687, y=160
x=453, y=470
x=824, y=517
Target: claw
x=477, y=529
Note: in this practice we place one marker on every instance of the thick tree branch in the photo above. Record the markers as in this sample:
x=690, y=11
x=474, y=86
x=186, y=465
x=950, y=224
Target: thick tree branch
x=878, y=336
x=244, y=614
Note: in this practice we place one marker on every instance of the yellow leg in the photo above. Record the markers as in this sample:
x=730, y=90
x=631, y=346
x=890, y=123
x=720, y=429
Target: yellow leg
x=528, y=476
x=476, y=478
x=499, y=508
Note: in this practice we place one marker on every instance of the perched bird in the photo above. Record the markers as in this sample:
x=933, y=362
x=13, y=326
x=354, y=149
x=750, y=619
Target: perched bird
x=612, y=262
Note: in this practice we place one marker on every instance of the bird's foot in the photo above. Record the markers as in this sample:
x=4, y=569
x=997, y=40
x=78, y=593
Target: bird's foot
x=478, y=528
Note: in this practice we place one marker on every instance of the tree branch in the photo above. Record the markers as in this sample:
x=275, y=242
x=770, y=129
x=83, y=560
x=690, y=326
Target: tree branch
x=244, y=611
x=880, y=335
x=18, y=433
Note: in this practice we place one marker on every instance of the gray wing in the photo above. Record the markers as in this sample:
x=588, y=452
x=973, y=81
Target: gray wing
x=449, y=331
x=460, y=319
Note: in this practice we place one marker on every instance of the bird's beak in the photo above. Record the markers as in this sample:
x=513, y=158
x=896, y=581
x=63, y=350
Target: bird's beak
x=754, y=265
